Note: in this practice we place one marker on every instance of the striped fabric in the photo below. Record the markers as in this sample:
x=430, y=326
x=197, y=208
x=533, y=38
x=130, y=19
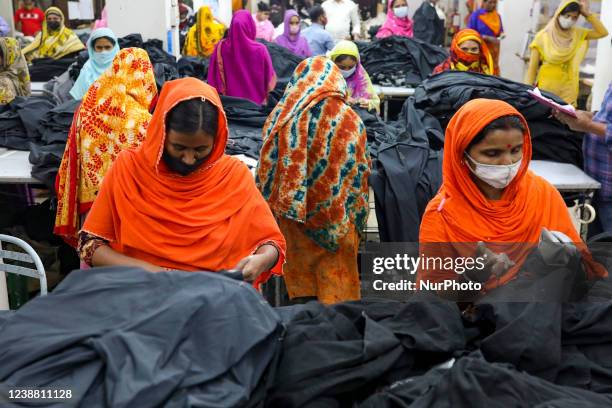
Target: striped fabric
x=314, y=163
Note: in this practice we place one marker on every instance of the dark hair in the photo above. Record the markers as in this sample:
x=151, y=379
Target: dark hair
x=503, y=123
x=193, y=115
x=262, y=7
x=315, y=13
x=571, y=8
x=342, y=57
x=112, y=41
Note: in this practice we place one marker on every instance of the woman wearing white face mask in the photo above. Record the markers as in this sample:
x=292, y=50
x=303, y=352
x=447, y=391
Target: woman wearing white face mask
x=102, y=47
x=397, y=22
x=558, y=50
x=360, y=90
x=489, y=202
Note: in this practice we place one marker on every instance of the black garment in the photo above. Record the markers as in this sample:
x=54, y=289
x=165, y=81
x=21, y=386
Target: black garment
x=44, y=69
x=164, y=73
x=406, y=176
x=335, y=355
x=193, y=67
x=131, y=338
x=472, y=382
x=245, y=120
x=428, y=27
x=284, y=62
x=46, y=154
x=399, y=61
x=443, y=94
x=20, y=121
x=75, y=68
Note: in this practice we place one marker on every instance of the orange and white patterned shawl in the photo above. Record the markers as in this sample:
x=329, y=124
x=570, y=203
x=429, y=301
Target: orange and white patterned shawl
x=113, y=116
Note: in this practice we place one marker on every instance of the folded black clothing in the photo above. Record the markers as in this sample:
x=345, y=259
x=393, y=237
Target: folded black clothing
x=193, y=67
x=442, y=95
x=45, y=69
x=400, y=61
x=207, y=342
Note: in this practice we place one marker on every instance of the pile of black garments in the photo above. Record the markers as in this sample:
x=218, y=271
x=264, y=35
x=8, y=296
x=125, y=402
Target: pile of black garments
x=284, y=62
x=442, y=95
x=193, y=67
x=213, y=341
x=20, y=121
x=245, y=120
x=44, y=69
x=406, y=174
x=400, y=61
x=46, y=154
x=124, y=337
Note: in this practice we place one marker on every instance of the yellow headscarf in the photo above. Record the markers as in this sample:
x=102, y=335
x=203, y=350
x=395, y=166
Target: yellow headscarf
x=55, y=44
x=14, y=75
x=204, y=35
x=558, y=46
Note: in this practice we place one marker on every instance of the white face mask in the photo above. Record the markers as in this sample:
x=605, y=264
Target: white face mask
x=349, y=72
x=401, y=12
x=566, y=22
x=497, y=176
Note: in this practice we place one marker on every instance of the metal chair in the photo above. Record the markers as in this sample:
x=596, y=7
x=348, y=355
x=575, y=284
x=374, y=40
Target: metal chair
x=30, y=256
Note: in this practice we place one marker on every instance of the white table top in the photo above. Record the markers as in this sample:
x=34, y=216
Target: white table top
x=393, y=91
x=564, y=176
x=15, y=168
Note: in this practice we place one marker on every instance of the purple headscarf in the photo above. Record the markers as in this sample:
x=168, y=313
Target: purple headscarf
x=293, y=42
x=247, y=66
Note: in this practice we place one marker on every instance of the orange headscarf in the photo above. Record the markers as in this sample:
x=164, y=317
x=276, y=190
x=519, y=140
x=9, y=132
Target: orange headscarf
x=208, y=220
x=460, y=213
x=113, y=116
x=460, y=60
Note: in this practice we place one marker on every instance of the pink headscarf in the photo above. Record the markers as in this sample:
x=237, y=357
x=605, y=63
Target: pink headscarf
x=247, y=66
x=293, y=42
x=103, y=21
x=395, y=25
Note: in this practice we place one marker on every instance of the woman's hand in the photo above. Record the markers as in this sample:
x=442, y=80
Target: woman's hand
x=584, y=8
x=254, y=265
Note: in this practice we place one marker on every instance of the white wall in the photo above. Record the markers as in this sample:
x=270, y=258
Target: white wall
x=603, y=62
x=151, y=18
x=517, y=21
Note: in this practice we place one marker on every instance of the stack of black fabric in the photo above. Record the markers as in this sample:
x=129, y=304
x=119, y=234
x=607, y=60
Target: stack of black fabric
x=46, y=154
x=193, y=67
x=246, y=120
x=442, y=95
x=20, y=121
x=45, y=69
x=400, y=61
x=126, y=340
x=406, y=174
x=212, y=341
x=284, y=62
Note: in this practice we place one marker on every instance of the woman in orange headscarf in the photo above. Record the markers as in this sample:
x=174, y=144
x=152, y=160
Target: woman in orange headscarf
x=468, y=52
x=113, y=116
x=489, y=194
x=178, y=202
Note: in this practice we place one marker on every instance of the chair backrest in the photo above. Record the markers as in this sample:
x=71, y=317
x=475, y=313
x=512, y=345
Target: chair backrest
x=30, y=256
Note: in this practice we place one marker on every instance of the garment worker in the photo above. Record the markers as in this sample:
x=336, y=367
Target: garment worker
x=313, y=172
x=488, y=23
x=14, y=74
x=397, y=22
x=292, y=39
x=178, y=201
x=203, y=35
x=343, y=19
x=468, y=52
x=319, y=40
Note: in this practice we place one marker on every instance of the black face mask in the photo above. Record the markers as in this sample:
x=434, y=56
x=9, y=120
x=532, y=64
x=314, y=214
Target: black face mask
x=179, y=167
x=53, y=25
x=276, y=18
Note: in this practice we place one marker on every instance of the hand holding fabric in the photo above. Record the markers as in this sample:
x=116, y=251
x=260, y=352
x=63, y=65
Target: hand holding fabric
x=254, y=265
